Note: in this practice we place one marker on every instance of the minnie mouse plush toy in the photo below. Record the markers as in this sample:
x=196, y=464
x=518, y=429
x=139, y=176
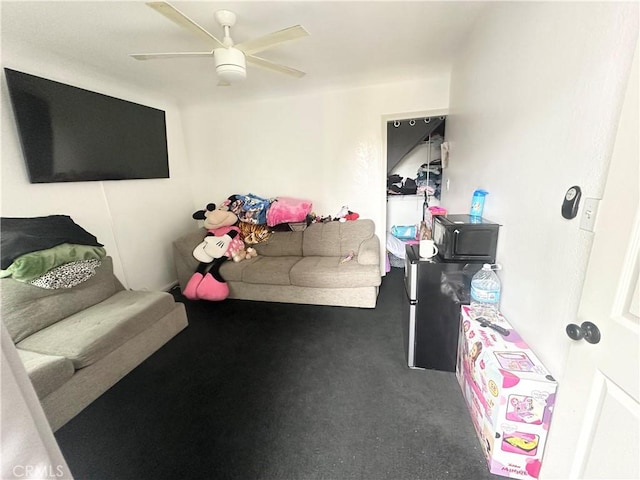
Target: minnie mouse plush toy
x=222, y=242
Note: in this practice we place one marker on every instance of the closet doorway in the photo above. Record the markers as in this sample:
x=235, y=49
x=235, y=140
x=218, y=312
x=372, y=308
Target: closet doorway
x=412, y=145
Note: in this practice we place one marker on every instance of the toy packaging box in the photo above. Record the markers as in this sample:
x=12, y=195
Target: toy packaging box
x=509, y=393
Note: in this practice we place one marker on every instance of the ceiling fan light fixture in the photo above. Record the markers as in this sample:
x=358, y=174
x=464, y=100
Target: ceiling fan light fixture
x=230, y=64
x=231, y=59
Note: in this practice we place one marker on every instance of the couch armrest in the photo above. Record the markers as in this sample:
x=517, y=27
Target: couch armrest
x=369, y=251
x=183, y=258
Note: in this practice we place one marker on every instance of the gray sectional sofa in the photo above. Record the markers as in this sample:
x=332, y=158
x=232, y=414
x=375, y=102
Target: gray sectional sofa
x=77, y=342
x=300, y=266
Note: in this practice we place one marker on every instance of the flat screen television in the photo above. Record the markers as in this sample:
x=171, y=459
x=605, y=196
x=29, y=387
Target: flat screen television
x=69, y=134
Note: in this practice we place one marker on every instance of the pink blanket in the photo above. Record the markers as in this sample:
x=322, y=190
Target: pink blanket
x=287, y=209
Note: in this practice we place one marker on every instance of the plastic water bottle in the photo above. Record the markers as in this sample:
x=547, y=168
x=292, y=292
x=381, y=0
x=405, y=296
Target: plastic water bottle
x=477, y=203
x=485, y=293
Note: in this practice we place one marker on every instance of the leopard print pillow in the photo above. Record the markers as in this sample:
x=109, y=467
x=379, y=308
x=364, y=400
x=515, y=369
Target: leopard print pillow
x=67, y=275
x=253, y=233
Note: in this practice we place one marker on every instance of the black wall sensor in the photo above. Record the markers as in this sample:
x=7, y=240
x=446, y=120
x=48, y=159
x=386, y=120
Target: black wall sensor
x=571, y=202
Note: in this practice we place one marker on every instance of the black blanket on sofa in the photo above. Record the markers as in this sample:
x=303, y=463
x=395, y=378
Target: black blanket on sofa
x=24, y=235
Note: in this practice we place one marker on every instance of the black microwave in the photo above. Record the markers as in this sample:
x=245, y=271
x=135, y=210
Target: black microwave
x=463, y=237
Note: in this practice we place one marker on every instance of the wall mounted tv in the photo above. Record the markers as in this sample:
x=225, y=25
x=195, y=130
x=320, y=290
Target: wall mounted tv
x=69, y=134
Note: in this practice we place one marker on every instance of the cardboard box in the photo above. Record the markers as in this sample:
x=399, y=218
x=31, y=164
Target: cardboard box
x=509, y=393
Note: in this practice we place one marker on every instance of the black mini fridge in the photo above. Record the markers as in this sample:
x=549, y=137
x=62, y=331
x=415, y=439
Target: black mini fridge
x=435, y=291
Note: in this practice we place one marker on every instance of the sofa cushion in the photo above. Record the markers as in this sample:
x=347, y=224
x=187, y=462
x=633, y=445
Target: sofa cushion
x=328, y=272
x=336, y=239
x=281, y=244
x=46, y=372
x=270, y=270
x=27, y=309
x=232, y=271
x=87, y=336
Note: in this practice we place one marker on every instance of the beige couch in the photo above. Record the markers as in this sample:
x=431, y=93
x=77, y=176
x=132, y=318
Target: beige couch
x=78, y=342
x=300, y=266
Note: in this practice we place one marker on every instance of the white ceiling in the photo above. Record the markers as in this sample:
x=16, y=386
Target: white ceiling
x=351, y=43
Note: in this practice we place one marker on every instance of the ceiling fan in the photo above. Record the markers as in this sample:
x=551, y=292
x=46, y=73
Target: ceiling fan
x=230, y=59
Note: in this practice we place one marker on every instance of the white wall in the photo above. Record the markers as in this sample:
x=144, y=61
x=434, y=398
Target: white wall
x=136, y=220
x=325, y=146
x=535, y=100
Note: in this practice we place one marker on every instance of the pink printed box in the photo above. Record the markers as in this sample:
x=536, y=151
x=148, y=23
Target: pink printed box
x=509, y=393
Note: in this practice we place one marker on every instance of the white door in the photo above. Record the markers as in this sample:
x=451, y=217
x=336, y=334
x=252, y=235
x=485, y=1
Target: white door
x=595, y=430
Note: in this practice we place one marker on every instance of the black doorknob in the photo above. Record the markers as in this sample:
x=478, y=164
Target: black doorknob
x=589, y=331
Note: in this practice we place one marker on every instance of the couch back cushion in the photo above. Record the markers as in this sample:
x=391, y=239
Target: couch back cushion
x=281, y=244
x=26, y=309
x=336, y=239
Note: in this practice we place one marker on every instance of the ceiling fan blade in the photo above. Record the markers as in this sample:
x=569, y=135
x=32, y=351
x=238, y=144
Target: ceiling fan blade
x=176, y=16
x=262, y=43
x=268, y=64
x=153, y=56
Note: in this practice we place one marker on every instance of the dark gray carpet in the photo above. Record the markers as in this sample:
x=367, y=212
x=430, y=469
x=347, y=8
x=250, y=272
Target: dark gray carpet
x=278, y=391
